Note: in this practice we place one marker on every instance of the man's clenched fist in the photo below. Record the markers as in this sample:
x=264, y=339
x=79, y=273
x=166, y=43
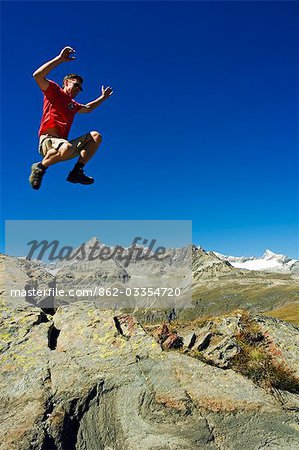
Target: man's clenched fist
x=66, y=54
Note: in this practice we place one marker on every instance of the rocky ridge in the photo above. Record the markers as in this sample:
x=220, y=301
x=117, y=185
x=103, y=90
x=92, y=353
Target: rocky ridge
x=83, y=378
x=93, y=379
x=217, y=286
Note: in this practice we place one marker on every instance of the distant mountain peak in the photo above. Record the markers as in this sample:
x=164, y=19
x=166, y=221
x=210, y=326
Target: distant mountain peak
x=269, y=261
x=92, y=241
x=268, y=254
x=197, y=247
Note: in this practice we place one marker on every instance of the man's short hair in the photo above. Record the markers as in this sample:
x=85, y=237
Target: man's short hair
x=73, y=76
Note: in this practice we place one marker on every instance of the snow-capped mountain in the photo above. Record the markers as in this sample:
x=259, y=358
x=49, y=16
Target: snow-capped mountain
x=270, y=261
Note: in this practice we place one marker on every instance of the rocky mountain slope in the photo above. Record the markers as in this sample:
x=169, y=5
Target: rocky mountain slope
x=93, y=379
x=82, y=378
x=217, y=286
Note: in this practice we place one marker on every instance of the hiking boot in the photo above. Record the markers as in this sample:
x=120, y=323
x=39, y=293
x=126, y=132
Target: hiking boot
x=79, y=176
x=36, y=176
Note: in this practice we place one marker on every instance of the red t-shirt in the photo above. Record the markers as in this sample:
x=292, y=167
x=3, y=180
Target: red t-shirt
x=58, y=111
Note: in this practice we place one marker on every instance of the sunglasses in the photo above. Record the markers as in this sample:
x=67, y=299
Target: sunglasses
x=76, y=84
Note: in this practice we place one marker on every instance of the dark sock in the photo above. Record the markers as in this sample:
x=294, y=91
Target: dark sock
x=78, y=166
x=41, y=166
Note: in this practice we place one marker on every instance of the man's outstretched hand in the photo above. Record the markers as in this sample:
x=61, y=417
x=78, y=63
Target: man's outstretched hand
x=66, y=54
x=106, y=92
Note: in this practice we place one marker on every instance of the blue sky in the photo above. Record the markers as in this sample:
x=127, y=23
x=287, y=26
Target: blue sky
x=202, y=125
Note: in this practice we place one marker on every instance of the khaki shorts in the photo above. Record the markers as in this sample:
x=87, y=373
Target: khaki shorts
x=46, y=142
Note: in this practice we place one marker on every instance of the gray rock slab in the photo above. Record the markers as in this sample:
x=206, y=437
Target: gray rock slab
x=74, y=382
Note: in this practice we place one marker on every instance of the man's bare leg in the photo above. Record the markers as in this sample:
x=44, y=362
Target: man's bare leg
x=54, y=156
x=77, y=174
x=63, y=153
x=91, y=147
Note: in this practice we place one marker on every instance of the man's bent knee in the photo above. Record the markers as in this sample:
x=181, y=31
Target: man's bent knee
x=96, y=136
x=65, y=150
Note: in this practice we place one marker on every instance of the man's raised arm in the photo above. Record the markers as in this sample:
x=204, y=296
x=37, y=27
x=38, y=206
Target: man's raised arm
x=90, y=106
x=40, y=74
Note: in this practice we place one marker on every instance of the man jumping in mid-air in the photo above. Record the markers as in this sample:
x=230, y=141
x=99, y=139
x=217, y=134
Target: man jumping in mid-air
x=58, y=114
